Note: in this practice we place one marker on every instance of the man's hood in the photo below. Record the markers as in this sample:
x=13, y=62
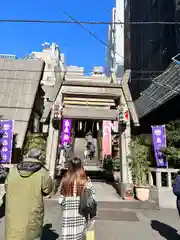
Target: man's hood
x=28, y=167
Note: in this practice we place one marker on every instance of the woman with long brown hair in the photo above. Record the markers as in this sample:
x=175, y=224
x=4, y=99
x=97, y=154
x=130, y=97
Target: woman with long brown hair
x=72, y=186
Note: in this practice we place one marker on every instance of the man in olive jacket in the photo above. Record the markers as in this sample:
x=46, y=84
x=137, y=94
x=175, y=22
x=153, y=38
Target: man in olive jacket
x=26, y=185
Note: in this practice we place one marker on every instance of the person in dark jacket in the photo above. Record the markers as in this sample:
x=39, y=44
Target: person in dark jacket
x=26, y=184
x=176, y=191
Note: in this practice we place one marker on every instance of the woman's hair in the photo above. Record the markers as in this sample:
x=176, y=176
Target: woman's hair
x=74, y=178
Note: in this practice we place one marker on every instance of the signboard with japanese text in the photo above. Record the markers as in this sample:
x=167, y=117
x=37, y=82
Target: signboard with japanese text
x=66, y=132
x=6, y=140
x=107, y=138
x=159, y=142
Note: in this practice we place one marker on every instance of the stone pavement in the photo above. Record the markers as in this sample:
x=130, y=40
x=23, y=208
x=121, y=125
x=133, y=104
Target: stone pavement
x=117, y=219
x=114, y=223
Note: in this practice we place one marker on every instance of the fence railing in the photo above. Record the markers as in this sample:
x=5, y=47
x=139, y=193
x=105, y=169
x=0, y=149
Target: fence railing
x=162, y=177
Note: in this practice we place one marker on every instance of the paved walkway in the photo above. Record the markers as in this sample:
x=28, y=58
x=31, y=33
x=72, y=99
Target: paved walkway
x=105, y=192
x=115, y=220
x=117, y=224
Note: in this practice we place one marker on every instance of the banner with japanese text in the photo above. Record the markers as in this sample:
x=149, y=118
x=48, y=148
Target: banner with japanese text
x=159, y=142
x=107, y=138
x=66, y=132
x=6, y=140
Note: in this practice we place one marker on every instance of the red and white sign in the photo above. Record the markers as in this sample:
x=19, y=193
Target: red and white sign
x=107, y=138
x=126, y=115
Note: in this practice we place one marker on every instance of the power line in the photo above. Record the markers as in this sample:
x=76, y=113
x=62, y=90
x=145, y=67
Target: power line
x=45, y=71
x=27, y=81
x=142, y=79
x=166, y=86
x=147, y=71
x=91, y=33
x=53, y=21
x=69, y=71
x=80, y=24
x=147, y=23
x=33, y=80
x=106, y=10
x=109, y=13
x=79, y=73
x=85, y=22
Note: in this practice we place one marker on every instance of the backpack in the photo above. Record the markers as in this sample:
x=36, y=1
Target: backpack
x=176, y=187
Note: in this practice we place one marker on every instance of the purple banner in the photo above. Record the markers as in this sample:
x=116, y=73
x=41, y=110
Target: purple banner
x=66, y=132
x=159, y=142
x=6, y=130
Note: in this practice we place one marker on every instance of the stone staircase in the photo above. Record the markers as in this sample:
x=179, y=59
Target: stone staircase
x=91, y=165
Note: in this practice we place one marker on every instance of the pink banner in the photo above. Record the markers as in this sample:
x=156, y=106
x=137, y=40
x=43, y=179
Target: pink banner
x=107, y=138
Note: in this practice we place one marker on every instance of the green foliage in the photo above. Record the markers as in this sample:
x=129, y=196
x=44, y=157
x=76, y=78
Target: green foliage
x=36, y=140
x=107, y=163
x=146, y=140
x=172, y=151
x=116, y=164
x=139, y=161
x=173, y=133
x=111, y=164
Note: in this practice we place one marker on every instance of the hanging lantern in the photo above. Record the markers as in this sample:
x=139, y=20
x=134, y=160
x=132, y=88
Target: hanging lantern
x=123, y=114
x=58, y=111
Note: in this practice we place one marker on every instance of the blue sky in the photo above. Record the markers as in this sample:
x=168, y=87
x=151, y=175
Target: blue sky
x=79, y=47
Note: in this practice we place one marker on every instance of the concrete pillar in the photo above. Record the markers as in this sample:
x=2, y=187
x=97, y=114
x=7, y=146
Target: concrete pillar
x=127, y=135
x=123, y=143
x=52, y=163
x=150, y=179
x=169, y=180
x=123, y=157
x=51, y=150
x=49, y=142
x=158, y=179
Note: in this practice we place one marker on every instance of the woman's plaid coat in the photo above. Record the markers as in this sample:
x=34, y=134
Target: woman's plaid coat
x=73, y=224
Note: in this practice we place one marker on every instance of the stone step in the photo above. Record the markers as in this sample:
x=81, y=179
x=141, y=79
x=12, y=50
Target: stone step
x=93, y=168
